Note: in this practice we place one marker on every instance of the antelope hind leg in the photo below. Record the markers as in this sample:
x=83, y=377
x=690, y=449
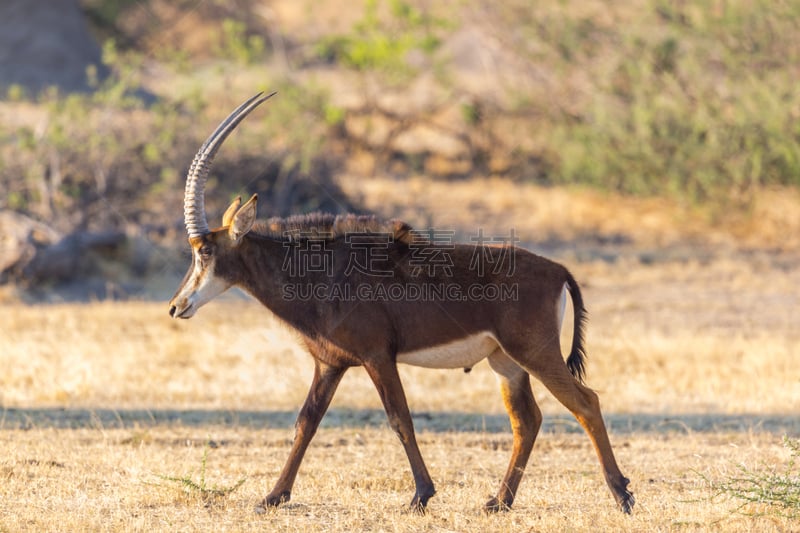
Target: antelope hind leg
x=584, y=404
x=525, y=418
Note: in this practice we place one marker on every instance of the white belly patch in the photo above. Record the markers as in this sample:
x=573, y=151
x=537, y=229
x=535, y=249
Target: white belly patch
x=462, y=353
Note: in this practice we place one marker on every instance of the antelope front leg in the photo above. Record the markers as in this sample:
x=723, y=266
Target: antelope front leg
x=323, y=386
x=387, y=381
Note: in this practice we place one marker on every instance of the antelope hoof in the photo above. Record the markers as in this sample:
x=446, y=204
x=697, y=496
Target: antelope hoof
x=419, y=503
x=624, y=497
x=495, y=506
x=417, y=506
x=272, y=501
x=626, y=502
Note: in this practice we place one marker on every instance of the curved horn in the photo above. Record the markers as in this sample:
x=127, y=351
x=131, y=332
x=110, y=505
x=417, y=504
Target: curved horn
x=194, y=210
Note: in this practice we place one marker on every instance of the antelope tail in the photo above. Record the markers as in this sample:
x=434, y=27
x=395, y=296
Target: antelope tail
x=577, y=356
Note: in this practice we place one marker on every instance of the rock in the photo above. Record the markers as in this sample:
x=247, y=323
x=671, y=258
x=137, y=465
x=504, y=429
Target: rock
x=20, y=238
x=46, y=43
x=31, y=252
x=437, y=165
x=422, y=138
x=373, y=130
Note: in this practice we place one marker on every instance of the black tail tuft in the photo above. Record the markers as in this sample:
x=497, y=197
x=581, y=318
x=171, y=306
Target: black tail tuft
x=577, y=356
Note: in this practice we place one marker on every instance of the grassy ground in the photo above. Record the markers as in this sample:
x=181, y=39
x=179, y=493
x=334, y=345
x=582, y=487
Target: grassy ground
x=695, y=363
x=356, y=479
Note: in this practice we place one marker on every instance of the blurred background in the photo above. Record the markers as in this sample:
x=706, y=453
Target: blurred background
x=649, y=129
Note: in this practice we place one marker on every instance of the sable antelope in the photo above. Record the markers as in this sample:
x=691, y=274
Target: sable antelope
x=369, y=322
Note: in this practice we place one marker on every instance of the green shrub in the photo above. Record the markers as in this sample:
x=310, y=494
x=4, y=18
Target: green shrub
x=200, y=489
x=380, y=43
x=693, y=100
x=235, y=44
x=764, y=493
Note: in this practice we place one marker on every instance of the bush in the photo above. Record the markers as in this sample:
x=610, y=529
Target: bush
x=762, y=493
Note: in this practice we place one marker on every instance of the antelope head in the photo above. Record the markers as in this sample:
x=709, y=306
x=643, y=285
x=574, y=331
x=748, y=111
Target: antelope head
x=204, y=280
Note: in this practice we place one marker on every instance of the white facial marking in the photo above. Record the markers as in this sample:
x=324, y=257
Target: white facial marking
x=462, y=353
x=201, y=287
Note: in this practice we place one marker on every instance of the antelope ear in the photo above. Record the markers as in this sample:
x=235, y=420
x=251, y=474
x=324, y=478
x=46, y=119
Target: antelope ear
x=243, y=220
x=227, y=218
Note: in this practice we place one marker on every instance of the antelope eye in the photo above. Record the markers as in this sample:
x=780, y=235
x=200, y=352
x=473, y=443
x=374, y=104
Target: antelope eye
x=205, y=251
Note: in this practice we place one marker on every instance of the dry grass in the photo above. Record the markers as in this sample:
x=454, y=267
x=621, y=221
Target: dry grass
x=695, y=363
x=356, y=479
x=694, y=355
